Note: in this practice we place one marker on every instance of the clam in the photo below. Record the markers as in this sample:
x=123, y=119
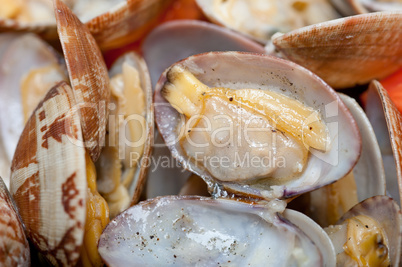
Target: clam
x=166, y=44
x=53, y=175
x=14, y=247
x=124, y=161
x=348, y=51
x=51, y=194
x=369, y=234
x=113, y=23
x=192, y=230
x=259, y=20
x=242, y=142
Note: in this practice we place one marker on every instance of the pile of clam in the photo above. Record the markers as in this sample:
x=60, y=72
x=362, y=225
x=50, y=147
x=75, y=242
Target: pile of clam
x=219, y=141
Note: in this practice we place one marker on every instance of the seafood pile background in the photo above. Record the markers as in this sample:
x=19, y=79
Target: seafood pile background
x=200, y=133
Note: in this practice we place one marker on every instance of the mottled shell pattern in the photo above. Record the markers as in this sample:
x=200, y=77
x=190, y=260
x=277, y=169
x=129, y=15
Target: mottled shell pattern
x=88, y=76
x=48, y=180
x=14, y=247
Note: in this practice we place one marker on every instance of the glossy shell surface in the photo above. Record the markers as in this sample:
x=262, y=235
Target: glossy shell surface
x=189, y=230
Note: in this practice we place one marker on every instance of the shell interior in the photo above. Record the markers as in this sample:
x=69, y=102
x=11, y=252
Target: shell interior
x=369, y=171
x=36, y=54
x=194, y=230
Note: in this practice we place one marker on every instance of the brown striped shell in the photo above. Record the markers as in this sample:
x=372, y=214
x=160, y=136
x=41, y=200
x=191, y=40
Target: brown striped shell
x=347, y=51
x=14, y=247
x=48, y=177
x=88, y=76
x=126, y=23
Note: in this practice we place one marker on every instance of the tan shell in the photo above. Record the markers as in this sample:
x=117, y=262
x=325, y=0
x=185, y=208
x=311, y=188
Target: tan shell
x=126, y=23
x=14, y=247
x=48, y=177
x=347, y=51
x=394, y=123
x=88, y=76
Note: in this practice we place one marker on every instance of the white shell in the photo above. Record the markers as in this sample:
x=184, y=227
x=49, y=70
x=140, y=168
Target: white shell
x=204, y=231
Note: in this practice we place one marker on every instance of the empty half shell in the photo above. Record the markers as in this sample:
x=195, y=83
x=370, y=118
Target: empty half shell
x=348, y=51
x=195, y=230
x=215, y=114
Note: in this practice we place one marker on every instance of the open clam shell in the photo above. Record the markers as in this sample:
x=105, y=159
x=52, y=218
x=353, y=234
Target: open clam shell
x=259, y=20
x=14, y=247
x=165, y=45
x=348, y=51
x=386, y=214
x=381, y=110
x=88, y=76
x=196, y=230
x=128, y=146
x=267, y=73
x=20, y=54
x=48, y=177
